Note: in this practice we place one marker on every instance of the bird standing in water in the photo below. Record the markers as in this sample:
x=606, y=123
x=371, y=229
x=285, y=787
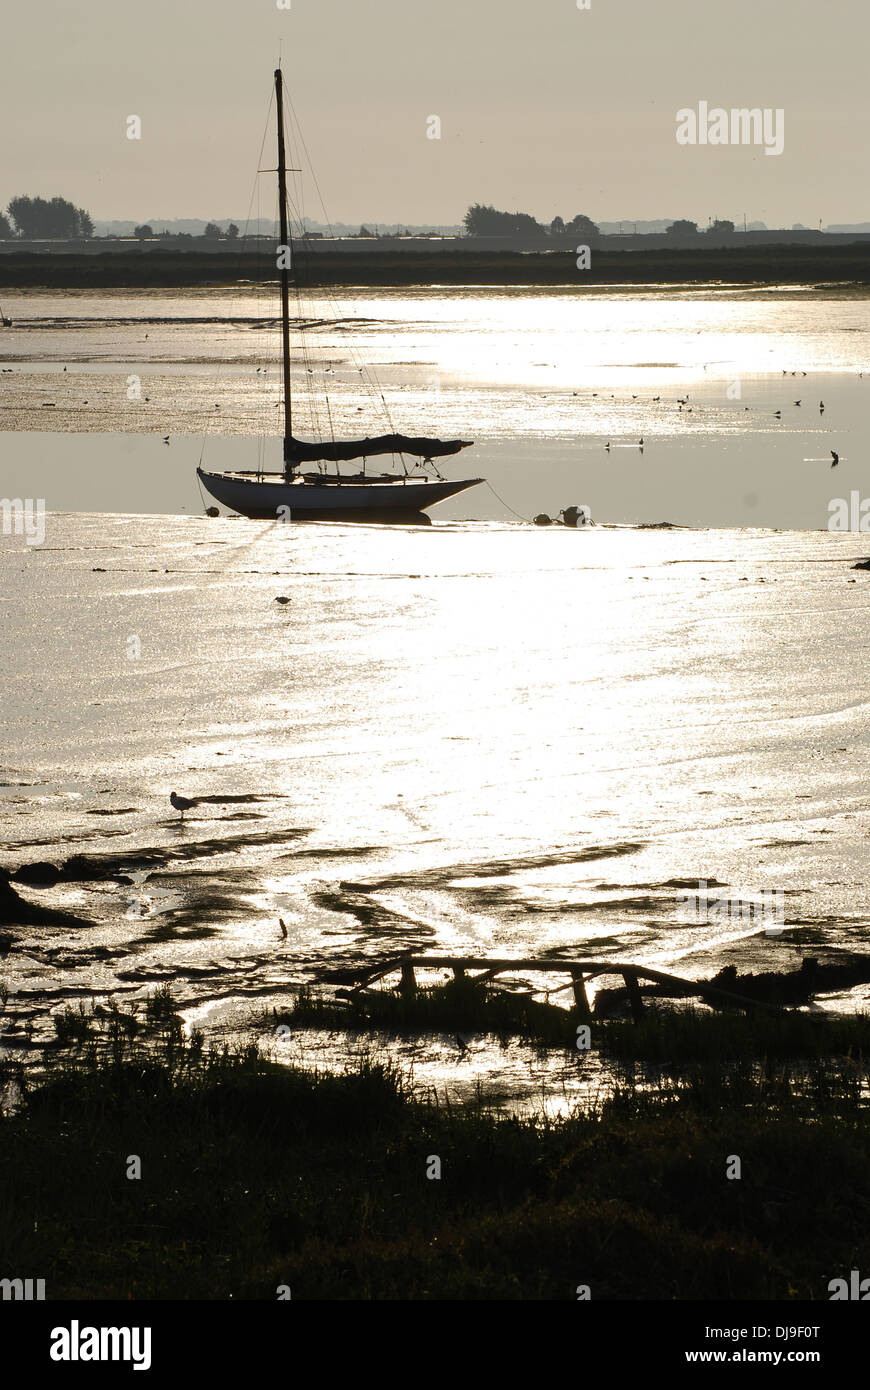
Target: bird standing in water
x=181, y=803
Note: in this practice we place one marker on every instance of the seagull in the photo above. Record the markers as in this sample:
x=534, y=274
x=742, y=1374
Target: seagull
x=821, y=406
x=607, y=446
x=181, y=803
x=778, y=414
x=166, y=439
x=796, y=402
x=836, y=458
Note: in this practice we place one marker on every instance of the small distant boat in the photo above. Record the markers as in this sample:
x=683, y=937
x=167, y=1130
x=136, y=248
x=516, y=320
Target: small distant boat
x=318, y=496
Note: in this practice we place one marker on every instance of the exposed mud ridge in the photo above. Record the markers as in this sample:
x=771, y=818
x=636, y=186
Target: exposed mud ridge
x=87, y=868
x=442, y=876
x=17, y=912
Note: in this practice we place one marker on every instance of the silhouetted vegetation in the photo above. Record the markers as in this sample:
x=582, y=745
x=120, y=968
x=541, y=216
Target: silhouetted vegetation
x=481, y=220
x=254, y=1176
x=54, y=218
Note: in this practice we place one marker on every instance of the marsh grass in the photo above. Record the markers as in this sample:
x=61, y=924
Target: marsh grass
x=666, y=1034
x=256, y=1175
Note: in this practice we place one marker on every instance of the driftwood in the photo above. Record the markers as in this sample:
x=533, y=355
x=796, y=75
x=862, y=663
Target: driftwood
x=580, y=971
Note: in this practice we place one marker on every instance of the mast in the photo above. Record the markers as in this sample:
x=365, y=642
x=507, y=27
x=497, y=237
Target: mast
x=285, y=279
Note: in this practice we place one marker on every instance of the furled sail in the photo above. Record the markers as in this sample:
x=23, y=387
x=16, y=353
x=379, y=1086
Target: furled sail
x=341, y=451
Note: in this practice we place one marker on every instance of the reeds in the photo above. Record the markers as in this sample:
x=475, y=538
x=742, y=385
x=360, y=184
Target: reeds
x=255, y=1176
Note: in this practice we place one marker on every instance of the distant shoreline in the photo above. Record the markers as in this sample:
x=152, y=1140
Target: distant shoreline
x=167, y=269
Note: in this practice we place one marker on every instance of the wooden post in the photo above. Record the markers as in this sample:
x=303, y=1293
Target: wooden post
x=408, y=985
x=459, y=972
x=635, y=998
x=581, y=1000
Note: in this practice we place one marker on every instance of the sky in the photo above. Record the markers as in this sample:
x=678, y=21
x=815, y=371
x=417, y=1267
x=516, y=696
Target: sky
x=543, y=106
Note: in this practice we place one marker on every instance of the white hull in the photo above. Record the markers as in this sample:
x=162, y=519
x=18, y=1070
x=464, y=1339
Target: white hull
x=260, y=498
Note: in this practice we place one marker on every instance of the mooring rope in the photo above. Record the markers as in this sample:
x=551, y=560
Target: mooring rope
x=506, y=504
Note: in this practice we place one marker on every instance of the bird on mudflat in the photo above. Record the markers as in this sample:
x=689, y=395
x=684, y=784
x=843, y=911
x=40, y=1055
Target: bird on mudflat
x=836, y=457
x=181, y=803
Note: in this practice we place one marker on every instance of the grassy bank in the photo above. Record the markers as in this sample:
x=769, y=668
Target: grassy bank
x=255, y=1176
x=187, y=269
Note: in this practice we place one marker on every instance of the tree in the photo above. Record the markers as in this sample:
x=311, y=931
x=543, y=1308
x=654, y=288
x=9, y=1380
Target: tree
x=482, y=220
x=581, y=226
x=364, y=231
x=721, y=227
x=232, y=231
x=5, y=227
x=557, y=226
x=40, y=218
x=682, y=228
x=212, y=230
x=143, y=232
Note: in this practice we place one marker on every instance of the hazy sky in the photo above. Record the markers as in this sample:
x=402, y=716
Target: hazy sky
x=544, y=107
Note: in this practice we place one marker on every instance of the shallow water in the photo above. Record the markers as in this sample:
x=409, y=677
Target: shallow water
x=541, y=380
x=477, y=737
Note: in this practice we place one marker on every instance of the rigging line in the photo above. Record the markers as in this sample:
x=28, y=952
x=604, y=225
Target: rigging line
x=301, y=138
x=296, y=127
x=370, y=377
x=329, y=418
x=307, y=360
x=256, y=185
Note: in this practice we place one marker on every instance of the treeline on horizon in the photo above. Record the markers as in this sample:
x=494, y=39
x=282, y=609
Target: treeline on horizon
x=485, y=220
x=38, y=219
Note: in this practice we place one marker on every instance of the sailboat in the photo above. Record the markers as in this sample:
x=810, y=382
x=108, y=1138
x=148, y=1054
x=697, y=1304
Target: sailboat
x=297, y=495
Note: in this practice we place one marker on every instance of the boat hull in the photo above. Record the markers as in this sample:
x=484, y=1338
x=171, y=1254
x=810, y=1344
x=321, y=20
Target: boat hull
x=261, y=499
